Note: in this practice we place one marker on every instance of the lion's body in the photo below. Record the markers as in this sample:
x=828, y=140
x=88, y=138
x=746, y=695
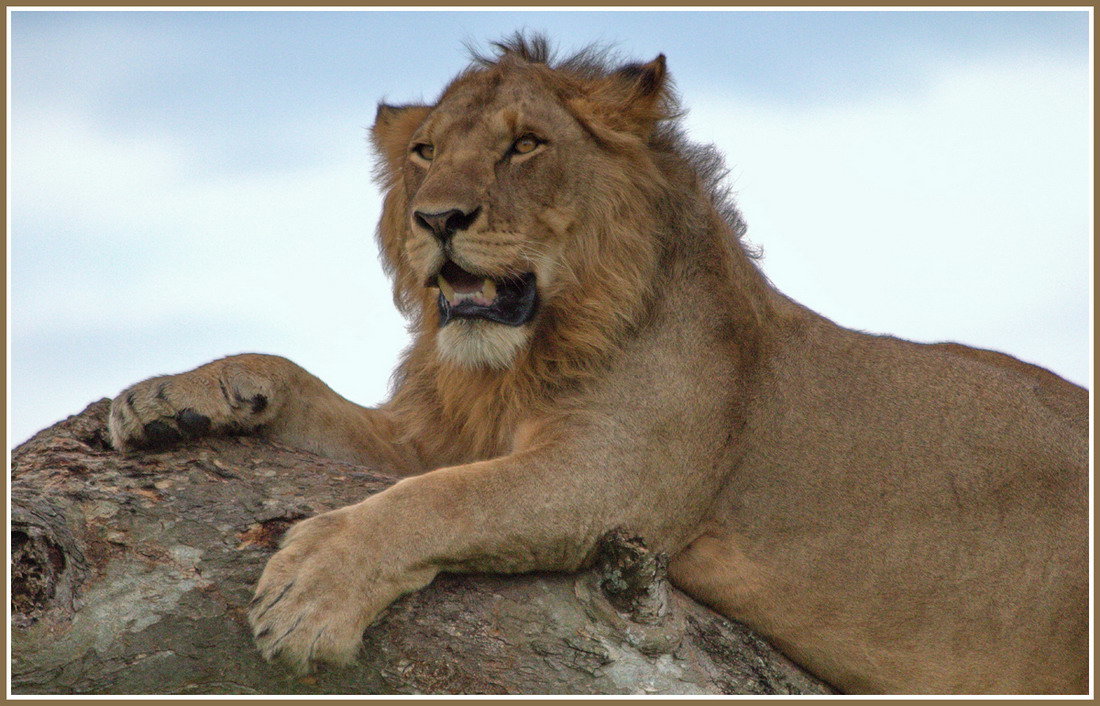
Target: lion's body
x=906, y=519
x=896, y=517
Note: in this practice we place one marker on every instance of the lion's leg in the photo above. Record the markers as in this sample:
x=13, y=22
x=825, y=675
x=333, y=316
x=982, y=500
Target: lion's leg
x=539, y=509
x=715, y=571
x=256, y=394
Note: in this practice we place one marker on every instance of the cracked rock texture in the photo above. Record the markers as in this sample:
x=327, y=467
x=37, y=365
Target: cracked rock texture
x=130, y=575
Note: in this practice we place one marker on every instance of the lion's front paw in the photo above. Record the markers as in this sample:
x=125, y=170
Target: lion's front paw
x=219, y=397
x=322, y=589
x=303, y=613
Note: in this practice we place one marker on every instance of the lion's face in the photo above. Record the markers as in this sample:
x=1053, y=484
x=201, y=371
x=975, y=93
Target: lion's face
x=489, y=188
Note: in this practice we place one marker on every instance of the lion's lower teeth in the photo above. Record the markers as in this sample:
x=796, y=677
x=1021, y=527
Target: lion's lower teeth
x=489, y=289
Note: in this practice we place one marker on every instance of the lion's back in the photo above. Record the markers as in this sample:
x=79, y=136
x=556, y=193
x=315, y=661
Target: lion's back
x=1065, y=399
x=958, y=405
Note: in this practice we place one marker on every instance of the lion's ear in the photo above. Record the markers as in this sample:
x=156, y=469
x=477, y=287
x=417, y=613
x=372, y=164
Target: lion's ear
x=631, y=99
x=394, y=126
x=643, y=83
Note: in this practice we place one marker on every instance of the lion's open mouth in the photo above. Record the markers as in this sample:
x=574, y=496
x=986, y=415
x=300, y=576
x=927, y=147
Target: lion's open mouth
x=464, y=295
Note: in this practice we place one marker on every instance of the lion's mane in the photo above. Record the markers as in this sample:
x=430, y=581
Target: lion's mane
x=659, y=196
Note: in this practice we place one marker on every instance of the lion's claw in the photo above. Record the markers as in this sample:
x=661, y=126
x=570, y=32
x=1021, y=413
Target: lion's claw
x=300, y=632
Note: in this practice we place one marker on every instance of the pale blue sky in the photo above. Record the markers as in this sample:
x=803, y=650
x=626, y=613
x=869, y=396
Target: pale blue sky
x=186, y=185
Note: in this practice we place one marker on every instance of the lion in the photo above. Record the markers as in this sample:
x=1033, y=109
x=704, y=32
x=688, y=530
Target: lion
x=595, y=347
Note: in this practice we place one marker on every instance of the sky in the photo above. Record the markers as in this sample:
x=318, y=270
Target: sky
x=189, y=185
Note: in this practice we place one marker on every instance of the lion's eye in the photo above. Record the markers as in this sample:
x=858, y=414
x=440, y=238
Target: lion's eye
x=525, y=144
x=425, y=151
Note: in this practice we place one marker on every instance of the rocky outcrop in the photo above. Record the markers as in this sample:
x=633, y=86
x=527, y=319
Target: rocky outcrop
x=131, y=575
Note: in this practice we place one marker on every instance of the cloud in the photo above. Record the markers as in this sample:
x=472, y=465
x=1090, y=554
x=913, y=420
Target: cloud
x=170, y=239
x=76, y=59
x=959, y=213
x=125, y=259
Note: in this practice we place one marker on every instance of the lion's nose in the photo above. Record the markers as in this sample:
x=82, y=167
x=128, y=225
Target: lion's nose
x=444, y=224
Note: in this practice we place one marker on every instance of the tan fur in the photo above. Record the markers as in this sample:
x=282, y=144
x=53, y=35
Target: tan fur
x=896, y=517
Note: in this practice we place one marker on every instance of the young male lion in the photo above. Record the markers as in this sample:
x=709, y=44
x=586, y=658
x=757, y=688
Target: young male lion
x=595, y=349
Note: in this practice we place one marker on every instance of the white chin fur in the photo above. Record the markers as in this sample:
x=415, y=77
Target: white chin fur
x=476, y=343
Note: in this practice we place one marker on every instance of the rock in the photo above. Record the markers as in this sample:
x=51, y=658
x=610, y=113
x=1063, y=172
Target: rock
x=131, y=573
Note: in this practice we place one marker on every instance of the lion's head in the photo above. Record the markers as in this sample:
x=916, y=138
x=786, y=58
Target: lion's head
x=531, y=206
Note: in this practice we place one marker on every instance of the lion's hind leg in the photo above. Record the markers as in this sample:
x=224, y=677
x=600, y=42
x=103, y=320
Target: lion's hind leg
x=715, y=571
